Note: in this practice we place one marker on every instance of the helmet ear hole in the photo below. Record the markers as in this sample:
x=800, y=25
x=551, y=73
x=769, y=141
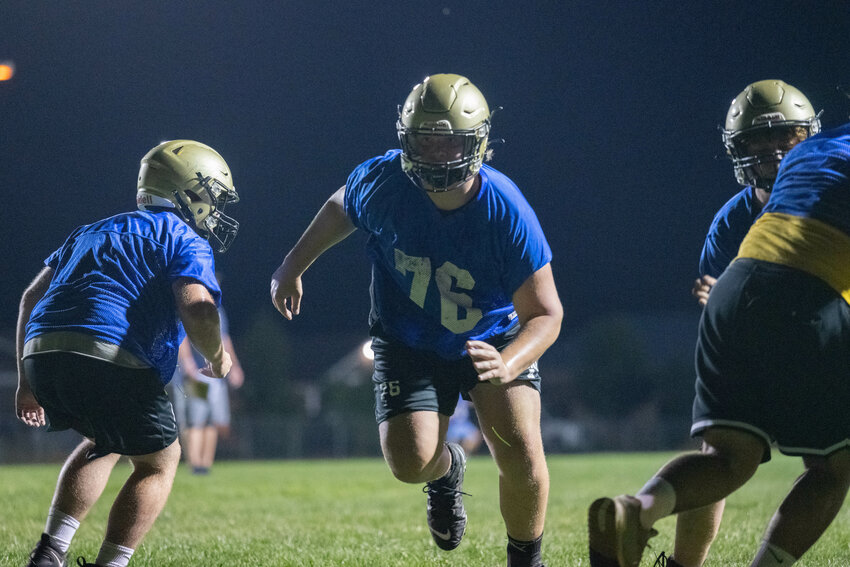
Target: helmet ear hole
x=193, y=197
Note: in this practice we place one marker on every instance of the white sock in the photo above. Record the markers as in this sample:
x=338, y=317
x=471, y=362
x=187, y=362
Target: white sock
x=771, y=556
x=61, y=528
x=113, y=555
x=657, y=500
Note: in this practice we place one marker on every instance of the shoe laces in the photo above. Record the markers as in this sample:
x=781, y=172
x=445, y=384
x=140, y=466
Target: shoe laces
x=661, y=560
x=81, y=562
x=439, y=490
x=444, y=497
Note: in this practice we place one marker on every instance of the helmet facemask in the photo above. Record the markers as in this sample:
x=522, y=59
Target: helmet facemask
x=756, y=152
x=439, y=159
x=443, y=128
x=203, y=206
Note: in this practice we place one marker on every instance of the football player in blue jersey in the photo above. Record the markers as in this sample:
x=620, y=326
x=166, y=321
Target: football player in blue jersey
x=463, y=301
x=773, y=367
x=763, y=123
x=98, y=333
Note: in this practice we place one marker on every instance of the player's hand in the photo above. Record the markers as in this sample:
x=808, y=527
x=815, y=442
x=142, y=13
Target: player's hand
x=286, y=292
x=488, y=363
x=702, y=287
x=219, y=369
x=27, y=408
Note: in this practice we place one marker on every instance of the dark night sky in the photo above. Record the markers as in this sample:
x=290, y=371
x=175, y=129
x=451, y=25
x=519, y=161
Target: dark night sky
x=610, y=120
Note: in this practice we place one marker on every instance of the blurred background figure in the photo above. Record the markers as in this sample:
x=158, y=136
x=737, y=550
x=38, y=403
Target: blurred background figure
x=463, y=428
x=203, y=405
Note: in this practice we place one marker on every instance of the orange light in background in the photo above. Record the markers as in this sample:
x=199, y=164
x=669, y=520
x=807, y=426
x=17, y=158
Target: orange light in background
x=7, y=69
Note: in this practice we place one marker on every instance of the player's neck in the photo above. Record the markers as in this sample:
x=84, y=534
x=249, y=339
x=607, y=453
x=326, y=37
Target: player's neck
x=456, y=198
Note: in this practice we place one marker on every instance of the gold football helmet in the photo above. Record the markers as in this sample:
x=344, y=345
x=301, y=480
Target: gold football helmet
x=443, y=128
x=762, y=124
x=193, y=178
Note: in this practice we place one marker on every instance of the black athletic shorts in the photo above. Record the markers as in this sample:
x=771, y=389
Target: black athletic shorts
x=123, y=410
x=408, y=379
x=773, y=358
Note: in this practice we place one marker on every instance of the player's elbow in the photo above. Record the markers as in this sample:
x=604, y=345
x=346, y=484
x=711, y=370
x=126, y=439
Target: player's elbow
x=200, y=318
x=552, y=316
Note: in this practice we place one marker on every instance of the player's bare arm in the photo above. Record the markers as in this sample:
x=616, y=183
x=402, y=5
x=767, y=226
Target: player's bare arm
x=236, y=376
x=330, y=226
x=702, y=287
x=199, y=314
x=27, y=408
x=540, y=314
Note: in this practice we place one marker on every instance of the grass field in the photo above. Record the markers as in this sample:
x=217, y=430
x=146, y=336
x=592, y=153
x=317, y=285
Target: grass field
x=352, y=512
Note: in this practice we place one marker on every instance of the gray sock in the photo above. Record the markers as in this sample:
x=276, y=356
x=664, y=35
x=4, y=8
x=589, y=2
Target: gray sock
x=61, y=528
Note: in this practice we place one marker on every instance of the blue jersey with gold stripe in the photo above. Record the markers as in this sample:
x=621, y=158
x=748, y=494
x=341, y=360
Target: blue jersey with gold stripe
x=806, y=222
x=727, y=231
x=440, y=278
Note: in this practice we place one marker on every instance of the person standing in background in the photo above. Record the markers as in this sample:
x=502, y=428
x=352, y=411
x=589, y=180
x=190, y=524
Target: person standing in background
x=207, y=401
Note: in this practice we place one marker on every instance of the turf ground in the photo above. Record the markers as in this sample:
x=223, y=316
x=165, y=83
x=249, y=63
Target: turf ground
x=353, y=513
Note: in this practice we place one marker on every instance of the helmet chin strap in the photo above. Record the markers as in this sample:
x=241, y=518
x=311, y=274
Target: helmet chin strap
x=454, y=187
x=448, y=189
x=186, y=213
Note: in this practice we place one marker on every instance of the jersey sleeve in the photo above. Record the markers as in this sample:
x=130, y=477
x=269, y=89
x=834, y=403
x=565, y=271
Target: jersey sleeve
x=192, y=257
x=727, y=231
x=714, y=257
x=363, y=188
x=528, y=249
x=352, y=202
x=52, y=261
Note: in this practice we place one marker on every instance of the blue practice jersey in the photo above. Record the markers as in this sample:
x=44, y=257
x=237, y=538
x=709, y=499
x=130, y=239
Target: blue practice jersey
x=727, y=231
x=112, y=282
x=806, y=222
x=440, y=278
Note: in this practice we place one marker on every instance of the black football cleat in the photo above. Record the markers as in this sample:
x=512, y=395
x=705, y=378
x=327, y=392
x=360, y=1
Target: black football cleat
x=446, y=515
x=46, y=555
x=664, y=561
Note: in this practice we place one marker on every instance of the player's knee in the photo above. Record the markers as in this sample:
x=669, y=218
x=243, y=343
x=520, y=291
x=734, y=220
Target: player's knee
x=740, y=452
x=160, y=462
x=834, y=470
x=410, y=468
